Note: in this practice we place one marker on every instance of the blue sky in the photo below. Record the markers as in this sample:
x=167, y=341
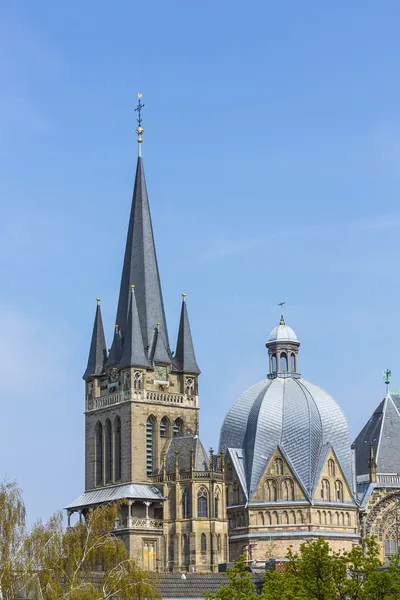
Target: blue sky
x=272, y=156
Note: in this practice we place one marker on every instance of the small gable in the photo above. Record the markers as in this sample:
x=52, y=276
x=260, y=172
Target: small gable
x=278, y=482
x=332, y=485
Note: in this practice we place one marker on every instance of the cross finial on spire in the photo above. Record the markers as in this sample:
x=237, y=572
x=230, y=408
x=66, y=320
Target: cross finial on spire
x=386, y=376
x=139, y=128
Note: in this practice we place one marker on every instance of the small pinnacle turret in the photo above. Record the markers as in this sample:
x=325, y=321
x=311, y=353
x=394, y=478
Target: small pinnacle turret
x=185, y=357
x=159, y=352
x=133, y=352
x=116, y=348
x=98, y=349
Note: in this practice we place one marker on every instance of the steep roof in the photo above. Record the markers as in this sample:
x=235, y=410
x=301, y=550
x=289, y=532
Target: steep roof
x=159, y=352
x=382, y=431
x=98, y=349
x=184, y=445
x=185, y=358
x=133, y=351
x=116, y=348
x=140, y=267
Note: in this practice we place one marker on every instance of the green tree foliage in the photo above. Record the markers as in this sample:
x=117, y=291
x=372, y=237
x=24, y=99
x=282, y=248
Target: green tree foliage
x=12, y=531
x=239, y=585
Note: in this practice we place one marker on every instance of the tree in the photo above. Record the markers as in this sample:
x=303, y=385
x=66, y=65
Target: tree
x=239, y=585
x=12, y=531
x=84, y=562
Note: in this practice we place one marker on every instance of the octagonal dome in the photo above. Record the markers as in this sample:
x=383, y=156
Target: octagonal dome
x=282, y=333
x=294, y=415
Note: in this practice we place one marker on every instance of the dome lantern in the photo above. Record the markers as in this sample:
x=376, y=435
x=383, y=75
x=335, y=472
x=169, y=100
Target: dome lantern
x=283, y=350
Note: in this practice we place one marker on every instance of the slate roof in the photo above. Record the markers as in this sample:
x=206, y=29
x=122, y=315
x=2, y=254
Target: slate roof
x=116, y=348
x=195, y=585
x=134, y=491
x=140, y=267
x=382, y=431
x=159, y=352
x=294, y=414
x=98, y=349
x=183, y=445
x=133, y=351
x=185, y=357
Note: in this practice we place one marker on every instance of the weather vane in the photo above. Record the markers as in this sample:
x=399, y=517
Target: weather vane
x=282, y=304
x=139, y=128
x=386, y=376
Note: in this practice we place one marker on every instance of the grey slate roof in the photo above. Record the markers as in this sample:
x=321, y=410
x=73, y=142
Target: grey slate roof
x=133, y=350
x=295, y=415
x=140, y=267
x=134, y=491
x=183, y=445
x=383, y=432
x=158, y=351
x=98, y=349
x=185, y=357
x=116, y=348
x=195, y=585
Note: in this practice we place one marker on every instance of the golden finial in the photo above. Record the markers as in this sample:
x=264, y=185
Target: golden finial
x=116, y=326
x=139, y=128
x=97, y=300
x=183, y=295
x=132, y=287
x=158, y=324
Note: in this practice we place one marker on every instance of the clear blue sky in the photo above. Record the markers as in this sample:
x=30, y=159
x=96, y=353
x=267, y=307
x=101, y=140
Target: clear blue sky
x=272, y=156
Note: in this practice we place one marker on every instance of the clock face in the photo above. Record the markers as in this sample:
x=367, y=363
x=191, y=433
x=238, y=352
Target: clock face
x=160, y=373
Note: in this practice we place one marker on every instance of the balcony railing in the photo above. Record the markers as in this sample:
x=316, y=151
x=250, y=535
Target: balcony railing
x=96, y=403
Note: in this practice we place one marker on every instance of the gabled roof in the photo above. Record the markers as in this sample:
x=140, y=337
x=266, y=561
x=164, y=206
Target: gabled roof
x=383, y=432
x=140, y=267
x=195, y=585
x=184, y=445
x=133, y=350
x=236, y=455
x=185, y=357
x=98, y=349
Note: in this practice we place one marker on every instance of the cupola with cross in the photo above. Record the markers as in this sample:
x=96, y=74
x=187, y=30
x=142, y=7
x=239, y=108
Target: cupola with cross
x=283, y=350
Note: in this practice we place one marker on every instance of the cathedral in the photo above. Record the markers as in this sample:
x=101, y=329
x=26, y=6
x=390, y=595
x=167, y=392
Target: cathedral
x=285, y=470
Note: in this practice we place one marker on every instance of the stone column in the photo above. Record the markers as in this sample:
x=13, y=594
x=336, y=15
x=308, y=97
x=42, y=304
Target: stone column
x=147, y=504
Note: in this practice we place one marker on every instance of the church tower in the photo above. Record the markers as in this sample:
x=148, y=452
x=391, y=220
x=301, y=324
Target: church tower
x=141, y=408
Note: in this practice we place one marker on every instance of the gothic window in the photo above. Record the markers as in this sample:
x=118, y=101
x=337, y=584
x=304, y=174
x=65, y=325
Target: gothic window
x=117, y=449
x=260, y=519
x=339, y=491
x=299, y=516
x=216, y=505
x=325, y=490
x=292, y=363
x=202, y=503
x=189, y=386
x=278, y=466
x=275, y=518
x=98, y=450
x=185, y=549
x=292, y=517
x=274, y=363
x=178, y=427
x=108, y=451
x=287, y=489
x=150, y=425
x=285, y=518
x=186, y=512
x=331, y=467
x=137, y=380
x=164, y=427
x=203, y=543
x=270, y=490
x=283, y=363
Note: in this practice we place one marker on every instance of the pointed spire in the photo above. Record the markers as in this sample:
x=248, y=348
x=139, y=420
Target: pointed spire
x=133, y=352
x=98, y=348
x=140, y=267
x=116, y=348
x=159, y=352
x=184, y=355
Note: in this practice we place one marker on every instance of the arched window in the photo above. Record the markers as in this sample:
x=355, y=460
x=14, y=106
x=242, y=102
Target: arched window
x=319, y=520
x=348, y=519
x=189, y=386
x=342, y=518
x=117, y=449
x=292, y=517
x=299, y=516
x=185, y=549
x=293, y=363
x=108, y=451
x=137, y=380
x=270, y=490
x=285, y=518
x=324, y=517
x=260, y=519
x=283, y=365
x=331, y=468
x=202, y=503
x=98, y=451
x=150, y=425
x=274, y=364
x=186, y=512
x=275, y=518
x=203, y=543
x=337, y=518
x=329, y=517
x=164, y=427
x=339, y=490
x=278, y=466
x=287, y=489
x=178, y=427
x=325, y=490
x=268, y=518
x=216, y=504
